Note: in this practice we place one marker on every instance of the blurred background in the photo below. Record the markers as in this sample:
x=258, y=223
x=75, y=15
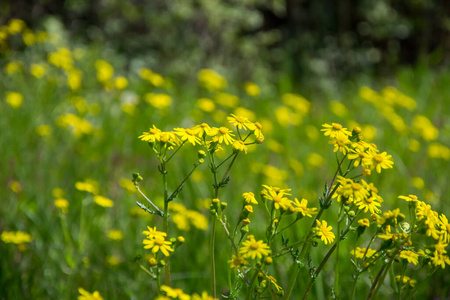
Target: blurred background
x=81, y=80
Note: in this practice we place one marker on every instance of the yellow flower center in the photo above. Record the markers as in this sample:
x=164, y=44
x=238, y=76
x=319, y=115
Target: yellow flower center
x=240, y=120
x=223, y=130
x=254, y=246
x=340, y=142
x=356, y=186
x=189, y=131
x=378, y=158
x=276, y=199
x=164, y=138
x=159, y=241
x=369, y=200
x=337, y=126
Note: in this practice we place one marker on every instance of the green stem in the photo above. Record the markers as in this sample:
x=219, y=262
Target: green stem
x=354, y=285
x=336, y=265
x=249, y=292
x=170, y=198
x=166, y=220
x=325, y=259
x=179, y=147
x=213, y=261
x=379, y=280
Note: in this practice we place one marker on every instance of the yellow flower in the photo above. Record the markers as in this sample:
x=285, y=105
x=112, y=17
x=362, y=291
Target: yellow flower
x=278, y=199
x=303, y=209
x=89, y=185
x=104, y=71
x=120, y=83
x=241, y=122
x=370, y=203
x=115, y=235
x=378, y=161
x=62, y=204
x=409, y=198
x=237, y=261
x=225, y=135
x=363, y=252
x=410, y=256
x=175, y=293
x=159, y=101
x=15, y=237
x=211, y=80
x=158, y=243
x=153, y=233
x=252, y=89
x=16, y=26
x=205, y=104
x=37, y=70
x=340, y=143
x=203, y=296
x=249, y=198
x=252, y=249
x=152, y=135
x=85, y=295
x=440, y=258
x=43, y=130
x=14, y=99
x=103, y=201
x=324, y=232
x=334, y=130
x=364, y=222
x=240, y=146
x=188, y=135
x=445, y=229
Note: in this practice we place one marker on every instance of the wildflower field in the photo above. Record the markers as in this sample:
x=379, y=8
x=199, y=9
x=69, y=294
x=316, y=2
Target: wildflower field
x=121, y=182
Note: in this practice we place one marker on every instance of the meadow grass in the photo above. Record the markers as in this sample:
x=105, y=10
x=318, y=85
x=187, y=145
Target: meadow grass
x=44, y=148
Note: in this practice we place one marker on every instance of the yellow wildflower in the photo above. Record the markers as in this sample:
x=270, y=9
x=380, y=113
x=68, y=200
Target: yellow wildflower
x=254, y=249
x=103, y=201
x=85, y=295
x=324, y=231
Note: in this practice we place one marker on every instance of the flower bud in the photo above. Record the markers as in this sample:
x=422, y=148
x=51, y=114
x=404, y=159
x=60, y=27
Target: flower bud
x=244, y=229
x=223, y=205
x=137, y=177
x=201, y=154
x=357, y=130
x=152, y=261
x=216, y=204
x=260, y=140
x=180, y=240
x=268, y=260
x=351, y=213
x=172, y=240
x=246, y=221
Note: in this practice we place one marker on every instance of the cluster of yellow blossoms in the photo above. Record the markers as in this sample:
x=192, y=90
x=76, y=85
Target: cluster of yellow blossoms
x=172, y=293
x=198, y=135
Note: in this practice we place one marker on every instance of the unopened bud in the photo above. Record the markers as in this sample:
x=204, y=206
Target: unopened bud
x=244, y=229
x=201, y=154
x=180, y=239
x=223, y=205
x=260, y=140
x=137, y=177
x=268, y=260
